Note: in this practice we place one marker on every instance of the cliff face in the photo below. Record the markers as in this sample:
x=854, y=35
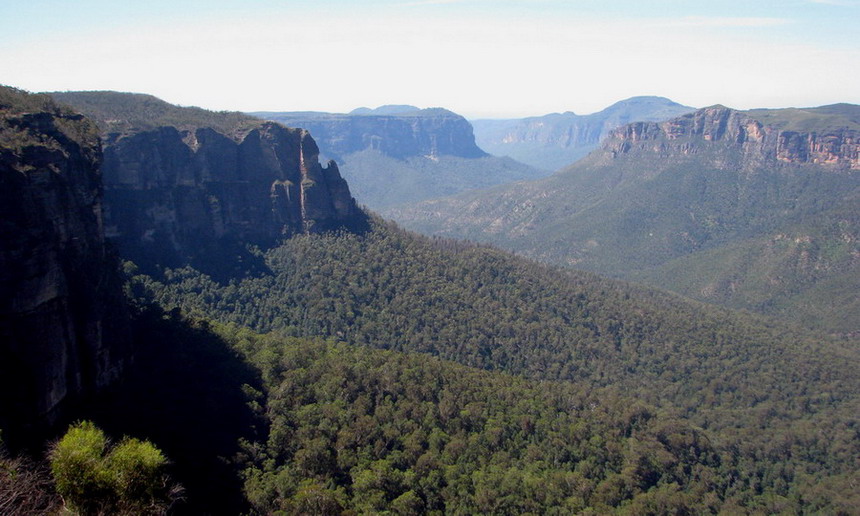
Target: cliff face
x=174, y=196
x=56, y=284
x=750, y=142
x=421, y=133
x=555, y=140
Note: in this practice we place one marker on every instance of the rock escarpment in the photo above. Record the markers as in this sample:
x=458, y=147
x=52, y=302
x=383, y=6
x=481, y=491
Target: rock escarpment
x=178, y=195
x=400, y=155
x=57, y=283
x=751, y=142
x=411, y=133
x=190, y=186
x=756, y=210
x=558, y=139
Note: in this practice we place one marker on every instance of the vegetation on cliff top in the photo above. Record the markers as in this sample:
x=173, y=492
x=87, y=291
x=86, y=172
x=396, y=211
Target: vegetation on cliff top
x=120, y=112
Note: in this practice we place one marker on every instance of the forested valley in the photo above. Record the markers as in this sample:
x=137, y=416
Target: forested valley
x=623, y=399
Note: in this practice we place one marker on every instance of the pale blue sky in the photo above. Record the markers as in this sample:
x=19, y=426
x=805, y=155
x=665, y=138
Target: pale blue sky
x=481, y=58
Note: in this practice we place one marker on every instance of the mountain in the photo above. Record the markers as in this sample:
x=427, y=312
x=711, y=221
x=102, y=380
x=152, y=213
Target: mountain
x=562, y=391
x=749, y=193
x=553, y=141
x=395, y=155
x=61, y=293
x=184, y=185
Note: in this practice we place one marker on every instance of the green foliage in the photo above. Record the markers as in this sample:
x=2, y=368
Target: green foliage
x=120, y=112
x=824, y=119
x=381, y=181
x=777, y=406
x=649, y=215
x=35, y=120
x=384, y=432
x=94, y=478
x=20, y=101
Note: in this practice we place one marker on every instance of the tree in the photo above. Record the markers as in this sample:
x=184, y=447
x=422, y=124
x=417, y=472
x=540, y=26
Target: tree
x=95, y=478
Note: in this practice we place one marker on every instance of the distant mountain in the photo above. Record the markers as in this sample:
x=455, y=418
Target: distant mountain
x=755, y=209
x=553, y=141
x=393, y=155
x=390, y=109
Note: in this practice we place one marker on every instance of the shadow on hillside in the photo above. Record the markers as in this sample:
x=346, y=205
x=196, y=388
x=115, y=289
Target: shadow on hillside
x=184, y=393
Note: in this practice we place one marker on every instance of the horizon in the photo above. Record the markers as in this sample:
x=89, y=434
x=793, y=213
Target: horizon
x=480, y=59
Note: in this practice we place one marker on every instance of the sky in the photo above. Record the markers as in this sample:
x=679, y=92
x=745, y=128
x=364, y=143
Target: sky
x=479, y=58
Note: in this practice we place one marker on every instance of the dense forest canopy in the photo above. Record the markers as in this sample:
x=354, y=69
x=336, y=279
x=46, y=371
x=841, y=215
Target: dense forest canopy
x=778, y=403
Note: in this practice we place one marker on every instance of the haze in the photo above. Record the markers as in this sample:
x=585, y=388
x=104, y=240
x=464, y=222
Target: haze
x=478, y=58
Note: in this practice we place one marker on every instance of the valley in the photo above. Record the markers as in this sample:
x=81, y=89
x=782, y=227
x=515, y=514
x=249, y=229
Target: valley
x=721, y=205
x=291, y=351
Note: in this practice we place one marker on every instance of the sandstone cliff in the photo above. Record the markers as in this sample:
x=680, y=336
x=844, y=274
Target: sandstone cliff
x=56, y=281
x=558, y=139
x=173, y=196
x=751, y=142
x=399, y=134
x=184, y=185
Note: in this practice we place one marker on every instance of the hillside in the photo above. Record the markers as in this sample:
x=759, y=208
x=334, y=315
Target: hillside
x=117, y=112
x=553, y=141
x=729, y=374
x=562, y=391
x=395, y=155
x=712, y=187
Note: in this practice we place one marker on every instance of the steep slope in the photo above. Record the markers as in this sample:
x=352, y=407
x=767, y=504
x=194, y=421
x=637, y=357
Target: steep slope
x=58, y=286
x=401, y=154
x=183, y=185
x=756, y=390
x=553, y=141
x=658, y=192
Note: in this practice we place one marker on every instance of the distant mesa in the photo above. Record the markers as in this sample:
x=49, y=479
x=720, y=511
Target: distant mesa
x=389, y=109
x=752, y=209
x=397, y=131
x=556, y=140
x=398, y=154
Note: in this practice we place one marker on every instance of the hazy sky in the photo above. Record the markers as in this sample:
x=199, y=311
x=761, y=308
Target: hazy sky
x=480, y=58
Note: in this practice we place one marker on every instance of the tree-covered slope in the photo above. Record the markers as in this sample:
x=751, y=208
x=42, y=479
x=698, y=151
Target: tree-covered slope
x=372, y=431
x=117, y=112
x=689, y=187
x=754, y=387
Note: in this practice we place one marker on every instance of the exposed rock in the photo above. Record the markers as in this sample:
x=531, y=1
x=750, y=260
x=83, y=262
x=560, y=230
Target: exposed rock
x=56, y=280
x=393, y=132
x=174, y=196
x=558, y=139
x=752, y=143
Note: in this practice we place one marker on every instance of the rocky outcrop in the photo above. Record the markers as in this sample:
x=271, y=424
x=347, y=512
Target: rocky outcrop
x=176, y=196
x=421, y=133
x=752, y=143
x=57, y=285
x=558, y=139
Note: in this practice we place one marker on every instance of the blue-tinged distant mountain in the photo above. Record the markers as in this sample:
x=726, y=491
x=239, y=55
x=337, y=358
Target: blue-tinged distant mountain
x=400, y=154
x=753, y=209
x=556, y=140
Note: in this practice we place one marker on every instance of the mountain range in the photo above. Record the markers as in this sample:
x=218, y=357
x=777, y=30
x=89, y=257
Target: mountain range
x=754, y=209
x=553, y=141
x=399, y=154
x=331, y=362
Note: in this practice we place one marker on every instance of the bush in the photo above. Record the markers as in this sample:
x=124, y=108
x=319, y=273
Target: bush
x=95, y=478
